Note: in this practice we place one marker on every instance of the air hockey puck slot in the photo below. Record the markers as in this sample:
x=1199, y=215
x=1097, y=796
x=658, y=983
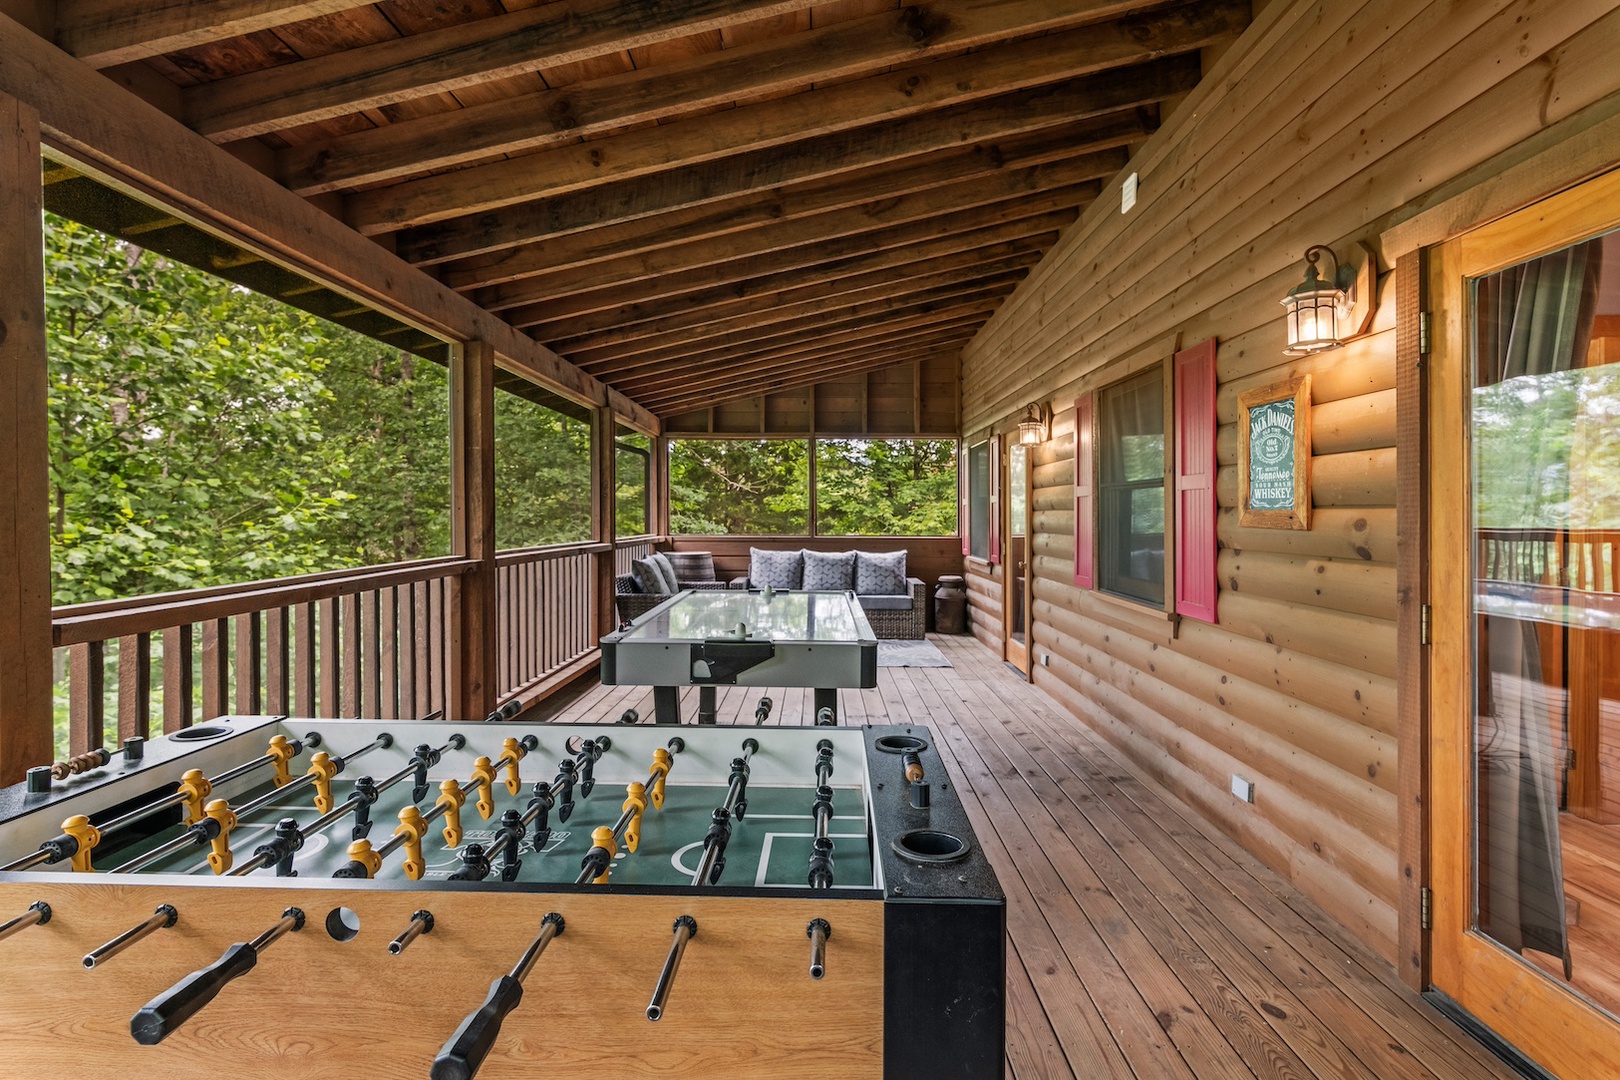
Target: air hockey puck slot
x=930, y=846
x=900, y=744
x=199, y=734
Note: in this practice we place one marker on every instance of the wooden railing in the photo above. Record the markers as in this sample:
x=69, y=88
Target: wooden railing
x=1584, y=559
x=546, y=615
x=627, y=551
x=369, y=642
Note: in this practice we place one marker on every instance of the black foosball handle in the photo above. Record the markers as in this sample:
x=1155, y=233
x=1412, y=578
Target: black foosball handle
x=163, y=1015
x=471, y=1043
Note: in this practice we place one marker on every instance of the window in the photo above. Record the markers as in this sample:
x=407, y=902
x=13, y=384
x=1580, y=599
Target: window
x=632, y=466
x=739, y=487
x=1122, y=512
x=886, y=487
x=978, y=500
x=1130, y=487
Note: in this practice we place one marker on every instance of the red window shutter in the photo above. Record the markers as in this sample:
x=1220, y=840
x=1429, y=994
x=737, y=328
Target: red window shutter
x=1196, y=545
x=995, y=501
x=1085, y=518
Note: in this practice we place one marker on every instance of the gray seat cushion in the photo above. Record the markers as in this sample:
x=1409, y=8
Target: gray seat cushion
x=880, y=573
x=884, y=603
x=666, y=572
x=778, y=569
x=829, y=571
x=646, y=577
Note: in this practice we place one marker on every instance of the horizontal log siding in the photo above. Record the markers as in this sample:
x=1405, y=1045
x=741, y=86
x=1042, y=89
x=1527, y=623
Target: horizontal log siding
x=1295, y=688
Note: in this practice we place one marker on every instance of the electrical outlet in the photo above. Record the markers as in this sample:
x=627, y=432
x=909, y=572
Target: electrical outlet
x=1243, y=789
x=1046, y=659
x=1127, y=194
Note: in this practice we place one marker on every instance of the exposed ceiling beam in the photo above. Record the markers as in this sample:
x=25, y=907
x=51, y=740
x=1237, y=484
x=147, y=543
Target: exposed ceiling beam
x=799, y=372
x=993, y=70
x=782, y=269
x=618, y=362
x=905, y=353
x=682, y=376
x=760, y=311
x=459, y=55
x=791, y=62
x=103, y=33
x=1024, y=112
x=777, y=208
x=817, y=230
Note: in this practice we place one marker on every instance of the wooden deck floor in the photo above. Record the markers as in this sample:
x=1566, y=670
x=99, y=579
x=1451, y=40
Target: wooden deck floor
x=1141, y=943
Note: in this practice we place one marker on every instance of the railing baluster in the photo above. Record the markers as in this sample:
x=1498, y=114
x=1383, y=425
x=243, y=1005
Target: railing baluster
x=371, y=645
x=216, y=667
x=135, y=687
x=327, y=632
x=86, y=696
x=421, y=646
x=277, y=662
x=177, y=678
x=437, y=613
x=249, y=695
x=406, y=603
x=388, y=657
x=303, y=664
x=349, y=659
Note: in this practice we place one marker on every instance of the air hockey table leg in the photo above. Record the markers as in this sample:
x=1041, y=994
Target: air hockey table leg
x=666, y=704
x=707, y=708
x=827, y=698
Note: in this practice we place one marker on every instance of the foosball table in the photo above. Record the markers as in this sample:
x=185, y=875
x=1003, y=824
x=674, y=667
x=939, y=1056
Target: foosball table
x=273, y=897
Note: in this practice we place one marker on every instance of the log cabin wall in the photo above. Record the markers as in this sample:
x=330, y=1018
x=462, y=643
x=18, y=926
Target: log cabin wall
x=1327, y=123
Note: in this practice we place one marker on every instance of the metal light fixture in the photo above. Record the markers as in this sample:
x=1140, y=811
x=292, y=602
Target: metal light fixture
x=1319, y=311
x=1033, y=427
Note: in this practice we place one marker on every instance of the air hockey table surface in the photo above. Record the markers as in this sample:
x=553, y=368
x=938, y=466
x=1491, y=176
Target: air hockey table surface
x=820, y=640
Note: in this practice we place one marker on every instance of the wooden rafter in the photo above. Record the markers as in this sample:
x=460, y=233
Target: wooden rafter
x=922, y=88
x=552, y=117
x=909, y=179
x=460, y=55
x=776, y=271
x=103, y=33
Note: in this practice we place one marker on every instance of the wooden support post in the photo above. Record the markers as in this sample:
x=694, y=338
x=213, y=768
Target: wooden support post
x=658, y=487
x=604, y=516
x=473, y=685
x=1412, y=595
x=25, y=558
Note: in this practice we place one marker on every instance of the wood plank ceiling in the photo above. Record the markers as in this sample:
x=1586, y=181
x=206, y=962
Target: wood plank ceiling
x=692, y=200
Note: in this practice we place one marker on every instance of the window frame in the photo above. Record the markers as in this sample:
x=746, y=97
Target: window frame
x=970, y=537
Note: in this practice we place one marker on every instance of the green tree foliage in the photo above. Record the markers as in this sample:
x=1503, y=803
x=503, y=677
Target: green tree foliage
x=203, y=434
x=542, y=475
x=886, y=487
x=632, y=468
x=756, y=487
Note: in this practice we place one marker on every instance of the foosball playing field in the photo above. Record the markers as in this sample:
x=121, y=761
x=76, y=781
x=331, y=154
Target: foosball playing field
x=300, y=898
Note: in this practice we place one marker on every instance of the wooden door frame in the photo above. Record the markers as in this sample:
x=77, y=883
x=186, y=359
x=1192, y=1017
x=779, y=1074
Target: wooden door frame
x=1009, y=570
x=1443, y=775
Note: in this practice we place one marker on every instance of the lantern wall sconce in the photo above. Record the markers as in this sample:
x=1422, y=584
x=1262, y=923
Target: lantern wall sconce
x=1036, y=425
x=1325, y=313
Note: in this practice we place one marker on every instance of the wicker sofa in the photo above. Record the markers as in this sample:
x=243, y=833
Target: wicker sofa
x=693, y=570
x=894, y=616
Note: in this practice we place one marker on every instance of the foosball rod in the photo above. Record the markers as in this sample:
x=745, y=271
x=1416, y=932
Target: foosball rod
x=685, y=930
x=421, y=923
x=736, y=804
x=762, y=711
x=593, y=865
x=163, y=1015
x=38, y=914
x=342, y=761
x=164, y=917
x=58, y=849
x=465, y=1050
x=821, y=848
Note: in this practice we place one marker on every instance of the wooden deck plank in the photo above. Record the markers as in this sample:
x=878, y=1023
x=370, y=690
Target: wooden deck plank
x=1142, y=943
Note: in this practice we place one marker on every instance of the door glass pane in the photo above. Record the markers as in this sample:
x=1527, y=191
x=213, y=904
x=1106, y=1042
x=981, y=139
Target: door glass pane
x=1017, y=487
x=1545, y=432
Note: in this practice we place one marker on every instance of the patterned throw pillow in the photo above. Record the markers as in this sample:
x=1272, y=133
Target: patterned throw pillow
x=666, y=572
x=829, y=571
x=880, y=573
x=778, y=569
x=645, y=575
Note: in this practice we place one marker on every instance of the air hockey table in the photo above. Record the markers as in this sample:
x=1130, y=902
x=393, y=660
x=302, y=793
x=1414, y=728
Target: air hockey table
x=709, y=639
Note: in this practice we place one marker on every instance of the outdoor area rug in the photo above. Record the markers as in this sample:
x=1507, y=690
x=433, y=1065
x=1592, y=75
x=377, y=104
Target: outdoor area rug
x=910, y=654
